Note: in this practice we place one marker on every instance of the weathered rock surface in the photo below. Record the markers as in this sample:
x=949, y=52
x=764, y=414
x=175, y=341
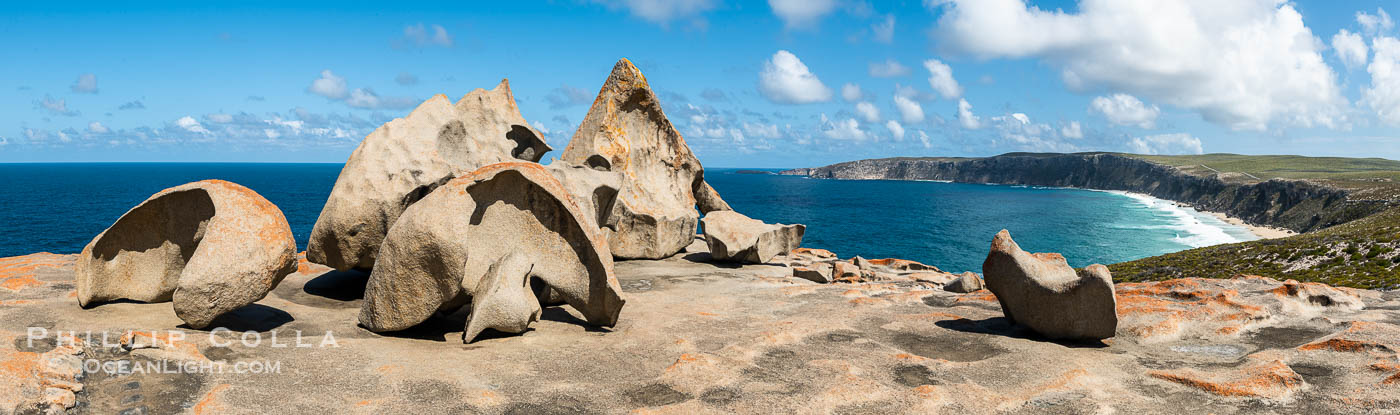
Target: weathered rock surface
x=405, y=159
x=481, y=239
x=1041, y=291
x=700, y=337
x=595, y=190
x=211, y=247
x=738, y=238
x=965, y=283
x=662, y=181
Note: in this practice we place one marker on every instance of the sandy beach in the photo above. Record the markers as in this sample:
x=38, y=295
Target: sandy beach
x=1263, y=232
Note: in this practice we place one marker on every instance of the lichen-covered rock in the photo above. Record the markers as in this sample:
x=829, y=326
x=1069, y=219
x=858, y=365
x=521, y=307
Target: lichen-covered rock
x=662, y=181
x=738, y=238
x=210, y=246
x=1041, y=291
x=481, y=239
x=405, y=159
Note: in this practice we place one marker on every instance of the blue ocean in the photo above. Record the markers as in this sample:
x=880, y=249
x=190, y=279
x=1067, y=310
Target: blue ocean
x=60, y=207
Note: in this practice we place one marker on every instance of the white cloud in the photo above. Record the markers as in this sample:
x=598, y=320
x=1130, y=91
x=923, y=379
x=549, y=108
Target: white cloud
x=1072, y=130
x=896, y=130
x=801, y=13
x=923, y=139
x=760, y=130
x=86, y=84
x=1244, y=65
x=1375, y=23
x=219, y=118
x=883, y=31
x=909, y=110
x=1023, y=118
x=890, y=68
x=851, y=92
x=1177, y=143
x=1383, y=95
x=539, y=126
x=1124, y=109
x=97, y=128
x=56, y=106
x=941, y=79
x=965, y=116
x=189, y=124
x=420, y=35
x=329, y=85
x=1016, y=131
x=867, y=111
x=785, y=79
x=1350, y=48
x=661, y=11
x=847, y=129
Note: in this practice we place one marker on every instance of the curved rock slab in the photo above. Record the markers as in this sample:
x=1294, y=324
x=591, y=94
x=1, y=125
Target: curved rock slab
x=210, y=246
x=625, y=131
x=481, y=239
x=738, y=238
x=1041, y=291
x=405, y=159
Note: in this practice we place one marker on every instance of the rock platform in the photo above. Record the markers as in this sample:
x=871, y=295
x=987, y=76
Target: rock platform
x=703, y=337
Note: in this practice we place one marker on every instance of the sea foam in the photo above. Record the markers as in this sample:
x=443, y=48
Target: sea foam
x=1194, y=228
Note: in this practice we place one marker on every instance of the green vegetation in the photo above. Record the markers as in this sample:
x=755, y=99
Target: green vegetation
x=1364, y=253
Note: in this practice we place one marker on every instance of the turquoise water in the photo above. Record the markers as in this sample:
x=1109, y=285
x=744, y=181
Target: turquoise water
x=951, y=225
x=60, y=207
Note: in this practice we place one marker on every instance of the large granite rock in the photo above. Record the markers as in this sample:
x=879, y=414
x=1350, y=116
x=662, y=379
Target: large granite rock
x=662, y=182
x=1041, y=291
x=211, y=247
x=405, y=159
x=738, y=238
x=594, y=190
x=482, y=239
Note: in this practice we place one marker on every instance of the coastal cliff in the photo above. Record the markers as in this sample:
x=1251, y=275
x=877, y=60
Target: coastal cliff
x=1298, y=205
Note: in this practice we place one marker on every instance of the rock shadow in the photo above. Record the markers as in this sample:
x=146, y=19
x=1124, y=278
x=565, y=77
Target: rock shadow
x=252, y=317
x=560, y=315
x=706, y=258
x=338, y=285
x=1000, y=326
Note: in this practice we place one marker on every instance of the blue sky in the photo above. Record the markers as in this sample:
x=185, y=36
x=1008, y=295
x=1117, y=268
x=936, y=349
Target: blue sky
x=749, y=84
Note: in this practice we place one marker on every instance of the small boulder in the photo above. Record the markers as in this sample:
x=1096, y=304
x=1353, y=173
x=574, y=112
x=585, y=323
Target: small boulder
x=1041, y=291
x=819, y=272
x=735, y=237
x=845, y=272
x=484, y=239
x=965, y=283
x=211, y=247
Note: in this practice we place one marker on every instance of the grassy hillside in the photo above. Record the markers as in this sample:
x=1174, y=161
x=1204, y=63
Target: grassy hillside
x=1364, y=253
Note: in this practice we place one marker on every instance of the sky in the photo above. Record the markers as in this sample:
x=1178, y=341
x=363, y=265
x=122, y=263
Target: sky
x=775, y=84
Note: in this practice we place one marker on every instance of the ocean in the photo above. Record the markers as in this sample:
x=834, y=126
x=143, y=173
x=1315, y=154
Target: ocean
x=60, y=207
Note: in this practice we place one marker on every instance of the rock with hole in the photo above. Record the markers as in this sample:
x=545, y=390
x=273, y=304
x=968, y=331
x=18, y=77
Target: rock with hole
x=405, y=159
x=210, y=247
x=482, y=239
x=1042, y=292
x=662, y=181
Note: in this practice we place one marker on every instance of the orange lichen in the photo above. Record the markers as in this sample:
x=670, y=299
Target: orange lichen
x=817, y=252
x=1267, y=380
x=211, y=403
x=979, y=295
x=1338, y=344
x=17, y=273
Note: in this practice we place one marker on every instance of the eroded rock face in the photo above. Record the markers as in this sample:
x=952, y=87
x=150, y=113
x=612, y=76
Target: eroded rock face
x=405, y=159
x=594, y=190
x=662, y=182
x=1041, y=291
x=481, y=239
x=210, y=247
x=965, y=283
x=738, y=238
